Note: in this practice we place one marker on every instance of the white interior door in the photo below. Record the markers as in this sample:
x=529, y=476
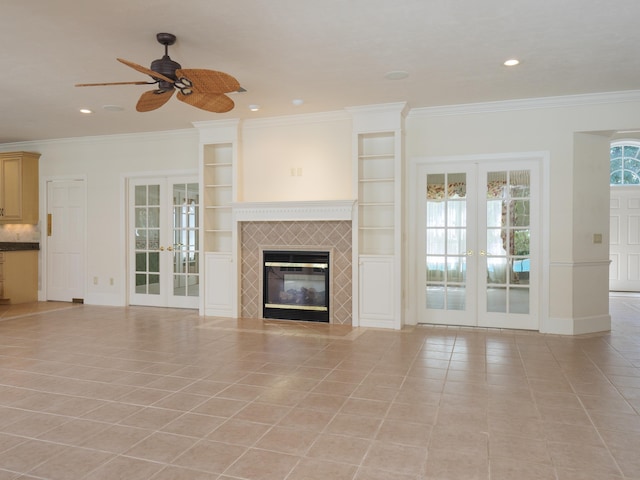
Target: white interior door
x=65, y=250
x=164, y=245
x=508, y=261
x=624, y=243
x=478, y=227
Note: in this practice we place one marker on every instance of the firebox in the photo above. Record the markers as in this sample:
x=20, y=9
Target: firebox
x=296, y=285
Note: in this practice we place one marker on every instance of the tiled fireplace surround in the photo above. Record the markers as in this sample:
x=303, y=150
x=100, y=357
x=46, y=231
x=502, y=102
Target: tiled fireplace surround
x=318, y=226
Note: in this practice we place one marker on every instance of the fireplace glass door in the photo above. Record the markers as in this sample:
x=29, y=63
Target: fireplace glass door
x=296, y=285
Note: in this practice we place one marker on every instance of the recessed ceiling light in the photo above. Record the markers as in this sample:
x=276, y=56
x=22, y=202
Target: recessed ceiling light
x=396, y=75
x=297, y=102
x=86, y=110
x=113, y=108
x=512, y=62
x=254, y=108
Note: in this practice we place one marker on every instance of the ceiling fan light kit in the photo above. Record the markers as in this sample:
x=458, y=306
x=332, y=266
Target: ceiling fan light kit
x=201, y=88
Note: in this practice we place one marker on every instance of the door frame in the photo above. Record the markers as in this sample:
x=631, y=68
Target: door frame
x=414, y=259
x=126, y=180
x=43, y=266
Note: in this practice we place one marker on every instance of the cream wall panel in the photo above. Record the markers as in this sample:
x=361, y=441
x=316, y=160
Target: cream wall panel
x=320, y=149
x=592, y=197
x=105, y=162
x=304, y=158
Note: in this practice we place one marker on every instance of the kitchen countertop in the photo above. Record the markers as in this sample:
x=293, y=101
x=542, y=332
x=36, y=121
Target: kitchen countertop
x=18, y=246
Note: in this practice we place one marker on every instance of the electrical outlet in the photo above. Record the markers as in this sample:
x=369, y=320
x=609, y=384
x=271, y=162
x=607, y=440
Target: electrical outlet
x=111, y=281
x=597, y=238
x=95, y=280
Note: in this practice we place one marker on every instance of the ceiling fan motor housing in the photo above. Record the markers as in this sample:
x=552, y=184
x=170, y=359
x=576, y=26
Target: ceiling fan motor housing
x=167, y=67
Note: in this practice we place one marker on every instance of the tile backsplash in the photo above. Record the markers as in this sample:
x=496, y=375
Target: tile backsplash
x=19, y=233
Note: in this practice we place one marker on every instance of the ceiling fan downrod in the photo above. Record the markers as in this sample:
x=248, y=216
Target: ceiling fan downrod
x=165, y=66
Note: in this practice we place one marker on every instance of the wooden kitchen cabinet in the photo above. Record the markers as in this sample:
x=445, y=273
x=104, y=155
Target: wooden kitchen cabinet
x=19, y=276
x=19, y=187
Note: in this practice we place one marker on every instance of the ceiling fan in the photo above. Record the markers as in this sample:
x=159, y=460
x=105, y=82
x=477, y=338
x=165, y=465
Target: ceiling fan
x=204, y=89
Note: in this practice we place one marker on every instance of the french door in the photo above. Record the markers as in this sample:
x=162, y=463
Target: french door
x=164, y=242
x=478, y=227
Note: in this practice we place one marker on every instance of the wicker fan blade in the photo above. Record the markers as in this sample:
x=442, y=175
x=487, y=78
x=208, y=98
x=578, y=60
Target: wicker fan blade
x=211, y=102
x=112, y=83
x=153, y=99
x=208, y=81
x=145, y=70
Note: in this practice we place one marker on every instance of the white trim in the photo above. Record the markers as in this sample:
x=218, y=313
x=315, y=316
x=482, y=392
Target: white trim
x=576, y=264
x=139, y=136
x=528, y=104
x=578, y=326
x=189, y=172
x=216, y=131
x=292, y=120
x=293, y=211
x=543, y=157
x=624, y=141
x=545, y=217
x=382, y=117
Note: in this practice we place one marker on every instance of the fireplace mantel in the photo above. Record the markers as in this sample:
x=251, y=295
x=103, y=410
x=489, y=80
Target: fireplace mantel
x=322, y=210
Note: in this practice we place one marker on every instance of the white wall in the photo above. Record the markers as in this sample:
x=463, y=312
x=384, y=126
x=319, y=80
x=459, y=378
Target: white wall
x=577, y=182
x=320, y=146
x=105, y=162
x=297, y=158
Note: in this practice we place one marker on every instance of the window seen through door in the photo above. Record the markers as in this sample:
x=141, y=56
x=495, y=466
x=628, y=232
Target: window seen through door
x=625, y=163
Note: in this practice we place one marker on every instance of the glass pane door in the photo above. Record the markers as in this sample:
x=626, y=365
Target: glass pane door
x=146, y=234
x=448, y=255
x=164, y=242
x=508, y=248
x=186, y=275
x=478, y=227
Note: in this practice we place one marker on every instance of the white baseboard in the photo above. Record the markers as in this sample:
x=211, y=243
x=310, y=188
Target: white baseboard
x=578, y=326
x=377, y=323
x=106, y=299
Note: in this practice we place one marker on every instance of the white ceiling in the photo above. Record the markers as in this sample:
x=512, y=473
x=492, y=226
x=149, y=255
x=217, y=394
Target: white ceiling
x=330, y=53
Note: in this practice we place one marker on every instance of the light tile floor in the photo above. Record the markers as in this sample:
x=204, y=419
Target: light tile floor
x=108, y=393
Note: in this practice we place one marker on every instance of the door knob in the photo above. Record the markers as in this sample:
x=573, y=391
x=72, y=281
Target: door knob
x=162, y=249
x=469, y=253
x=482, y=252
x=170, y=248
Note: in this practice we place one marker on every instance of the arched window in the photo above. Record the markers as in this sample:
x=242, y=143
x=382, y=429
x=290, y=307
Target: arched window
x=625, y=163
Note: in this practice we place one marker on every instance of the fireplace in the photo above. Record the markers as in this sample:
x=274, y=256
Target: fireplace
x=296, y=285
x=319, y=226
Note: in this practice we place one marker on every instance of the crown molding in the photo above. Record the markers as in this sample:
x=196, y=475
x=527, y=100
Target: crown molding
x=215, y=124
x=122, y=137
x=292, y=120
x=528, y=104
x=399, y=108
